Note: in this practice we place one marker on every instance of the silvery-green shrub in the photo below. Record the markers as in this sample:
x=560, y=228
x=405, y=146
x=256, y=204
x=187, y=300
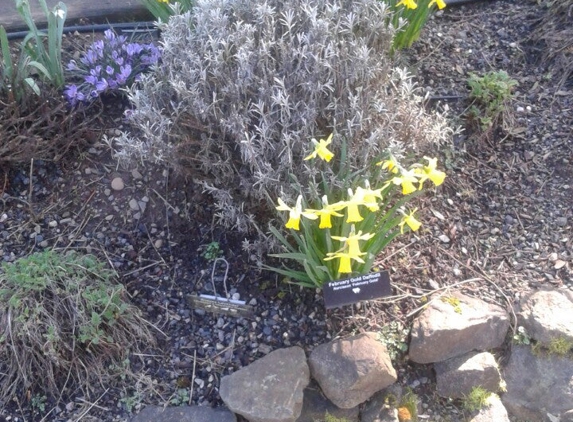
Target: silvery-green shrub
x=244, y=85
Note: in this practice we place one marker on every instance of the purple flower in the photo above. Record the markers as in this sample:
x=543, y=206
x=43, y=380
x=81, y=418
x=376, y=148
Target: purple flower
x=101, y=85
x=91, y=79
x=109, y=70
x=96, y=71
x=133, y=49
x=71, y=93
x=72, y=65
x=109, y=35
x=124, y=74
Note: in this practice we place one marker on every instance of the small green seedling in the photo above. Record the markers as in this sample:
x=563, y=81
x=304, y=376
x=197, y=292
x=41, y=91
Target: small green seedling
x=521, y=336
x=211, y=251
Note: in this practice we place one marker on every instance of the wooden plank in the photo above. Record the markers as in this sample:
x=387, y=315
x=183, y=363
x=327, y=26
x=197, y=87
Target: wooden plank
x=97, y=11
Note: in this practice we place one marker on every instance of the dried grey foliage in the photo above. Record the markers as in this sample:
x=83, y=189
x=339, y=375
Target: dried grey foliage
x=243, y=86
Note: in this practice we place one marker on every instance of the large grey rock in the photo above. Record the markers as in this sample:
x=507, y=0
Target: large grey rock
x=315, y=407
x=537, y=385
x=547, y=314
x=270, y=389
x=183, y=414
x=493, y=412
x=349, y=371
x=456, y=377
x=447, y=329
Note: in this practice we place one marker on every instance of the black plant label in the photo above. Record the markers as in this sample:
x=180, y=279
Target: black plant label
x=356, y=289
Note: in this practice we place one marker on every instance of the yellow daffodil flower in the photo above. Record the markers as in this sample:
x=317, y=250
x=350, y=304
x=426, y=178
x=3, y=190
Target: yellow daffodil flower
x=410, y=4
x=352, y=240
x=321, y=150
x=369, y=196
x=430, y=172
x=295, y=213
x=407, y=179
x=345, y=265
x=356, y=199
x=411, y=221
x=391, y=164
x=440, y=3
x=327, y=211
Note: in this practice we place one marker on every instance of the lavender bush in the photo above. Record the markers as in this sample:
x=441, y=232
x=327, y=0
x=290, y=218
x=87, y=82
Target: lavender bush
x=108, y=65
x=243, y=86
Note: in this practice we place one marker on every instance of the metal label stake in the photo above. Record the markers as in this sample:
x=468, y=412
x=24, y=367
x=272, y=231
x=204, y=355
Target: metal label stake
x=218, y=304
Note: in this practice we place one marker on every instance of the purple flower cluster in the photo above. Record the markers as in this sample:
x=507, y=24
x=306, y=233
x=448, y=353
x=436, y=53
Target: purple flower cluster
x=108, y=65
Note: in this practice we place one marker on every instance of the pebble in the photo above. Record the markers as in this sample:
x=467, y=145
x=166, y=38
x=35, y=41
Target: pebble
x=444, y=238
x=136, y=174
x=134, y=205
x=117, y=184
x=158, y=244
x=53, y=224
x=561, y=221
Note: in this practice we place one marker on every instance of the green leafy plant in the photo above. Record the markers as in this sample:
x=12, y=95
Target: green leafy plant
x=395, y=337
x=38, y=402
x=490, y=95
x=180, y=397
x=211, y=251
x=521, y=336
x=40, y=53
x=64, y=317
x=409, y=18
x=162, y=10
x=346, y=229
x=477, y=399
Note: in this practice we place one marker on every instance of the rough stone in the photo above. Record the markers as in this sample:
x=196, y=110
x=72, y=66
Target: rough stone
x=315, y=406
x=493, y=412
x=117, y=184
x=456, y=324
x=537, y=385
x=547, y=314
x=183, y=414
x=351, y=370
x=456, y=377
x=270, y=389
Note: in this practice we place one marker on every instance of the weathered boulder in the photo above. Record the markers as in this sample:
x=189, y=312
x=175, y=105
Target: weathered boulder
x=493, y=412
x=547, y=315
x=537, y=385
x=315, y=407
x=349, y=371
x=456, y=324
x=456, y=377
x=183, y=414
x=269, y=389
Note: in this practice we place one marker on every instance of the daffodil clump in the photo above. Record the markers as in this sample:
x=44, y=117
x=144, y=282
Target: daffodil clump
x=345, y=231
x=409, y=18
